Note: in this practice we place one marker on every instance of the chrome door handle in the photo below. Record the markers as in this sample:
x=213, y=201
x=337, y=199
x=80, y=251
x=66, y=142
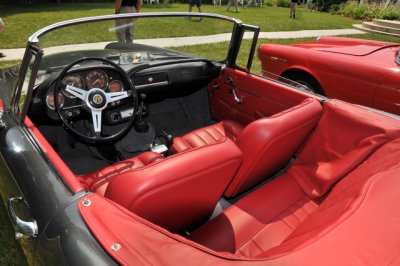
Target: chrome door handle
x=236, y=97
x=22, y=228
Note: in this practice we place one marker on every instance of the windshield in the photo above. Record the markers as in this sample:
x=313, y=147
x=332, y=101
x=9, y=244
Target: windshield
x=134, y=40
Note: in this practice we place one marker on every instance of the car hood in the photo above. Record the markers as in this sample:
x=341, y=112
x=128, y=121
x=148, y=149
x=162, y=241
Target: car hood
x=348, y=46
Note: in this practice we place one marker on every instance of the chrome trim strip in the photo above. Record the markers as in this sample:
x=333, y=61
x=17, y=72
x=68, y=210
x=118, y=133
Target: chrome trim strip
x=155, y=84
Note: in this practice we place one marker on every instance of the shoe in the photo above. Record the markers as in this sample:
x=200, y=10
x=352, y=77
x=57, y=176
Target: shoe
x=294, y=16
x=2, y=55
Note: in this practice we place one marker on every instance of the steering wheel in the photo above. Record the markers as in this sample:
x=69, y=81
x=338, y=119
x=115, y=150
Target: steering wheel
x=95, y=101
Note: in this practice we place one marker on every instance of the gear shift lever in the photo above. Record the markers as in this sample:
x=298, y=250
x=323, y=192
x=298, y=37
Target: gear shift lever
x=141, y=124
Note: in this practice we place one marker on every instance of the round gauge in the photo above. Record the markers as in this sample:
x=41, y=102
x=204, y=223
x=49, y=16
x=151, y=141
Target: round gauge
x=116, y=86
x=50, y=100
x=96, y=79
x=73, y=80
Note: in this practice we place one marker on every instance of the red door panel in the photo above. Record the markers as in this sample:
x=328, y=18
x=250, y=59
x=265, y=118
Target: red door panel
x=244, y=97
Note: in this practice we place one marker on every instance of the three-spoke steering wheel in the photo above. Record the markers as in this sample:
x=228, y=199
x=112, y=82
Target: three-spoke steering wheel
x=95, y=101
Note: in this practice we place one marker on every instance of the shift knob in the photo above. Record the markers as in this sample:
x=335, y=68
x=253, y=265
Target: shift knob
x=142, y=96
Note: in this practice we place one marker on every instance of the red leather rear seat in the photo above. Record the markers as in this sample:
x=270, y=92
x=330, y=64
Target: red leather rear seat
x=286, y=214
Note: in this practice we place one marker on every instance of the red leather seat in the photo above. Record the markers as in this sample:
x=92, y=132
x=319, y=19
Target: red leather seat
x=267, y=144
x=180, y=190
x=98, y=181
x=207, y=135
x=299, y=211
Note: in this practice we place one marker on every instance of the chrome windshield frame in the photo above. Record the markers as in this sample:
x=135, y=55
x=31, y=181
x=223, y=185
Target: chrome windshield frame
x=34, y=38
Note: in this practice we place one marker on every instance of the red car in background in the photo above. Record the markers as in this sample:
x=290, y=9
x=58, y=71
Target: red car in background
x=359, y=71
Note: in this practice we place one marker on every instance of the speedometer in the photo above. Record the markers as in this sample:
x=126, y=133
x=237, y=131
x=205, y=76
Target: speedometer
x=72, y=80
x=96, y=79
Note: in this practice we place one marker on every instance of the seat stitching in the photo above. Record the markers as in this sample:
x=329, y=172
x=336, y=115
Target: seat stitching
x=256, y=244
x=254, y=235
x=214, y=131
x=208, y=131
x=201, y=138
x=222, y=132
x=300, y=206
x=185, y=142
x=191, y=144
x=293, y=214
x=280, y=217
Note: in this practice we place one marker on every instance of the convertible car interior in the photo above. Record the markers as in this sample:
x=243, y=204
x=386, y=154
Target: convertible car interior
x=212, y=164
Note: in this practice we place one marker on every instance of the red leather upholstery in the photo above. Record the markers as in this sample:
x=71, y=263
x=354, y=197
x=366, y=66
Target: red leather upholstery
x=284, y=215
x=357, y=222
x=260, y=221
x=181, y=189
x=269, y=143
x=344, y=137
x=207, y=135
x=360, y=216
x=98, y=181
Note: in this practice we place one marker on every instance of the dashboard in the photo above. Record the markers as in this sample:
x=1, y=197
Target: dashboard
x=157, y=83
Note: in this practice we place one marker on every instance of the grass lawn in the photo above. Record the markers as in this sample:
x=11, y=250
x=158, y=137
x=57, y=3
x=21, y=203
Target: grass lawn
x=22, y=21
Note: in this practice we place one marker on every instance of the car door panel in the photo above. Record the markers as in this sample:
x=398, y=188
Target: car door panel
x=30, y=175
x=245, y=97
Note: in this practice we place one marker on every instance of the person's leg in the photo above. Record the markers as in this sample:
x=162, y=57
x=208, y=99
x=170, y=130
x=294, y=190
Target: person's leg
x=119, y=30
x=228, y=6
x=291, y=9
x=236, y=3
x=248, y=3
x=294, y=9
x=128, y=23
x=2, y=26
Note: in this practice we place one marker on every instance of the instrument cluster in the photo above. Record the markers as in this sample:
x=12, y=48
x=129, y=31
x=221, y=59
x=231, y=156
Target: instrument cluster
x=107, y=80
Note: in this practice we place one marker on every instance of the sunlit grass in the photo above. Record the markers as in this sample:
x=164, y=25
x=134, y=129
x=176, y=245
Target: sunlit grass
x=22, y=21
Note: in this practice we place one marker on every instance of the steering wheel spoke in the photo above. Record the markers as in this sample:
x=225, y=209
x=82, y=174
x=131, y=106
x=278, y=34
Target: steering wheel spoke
x=116, y=96
x=77, y=92
x=96, y=119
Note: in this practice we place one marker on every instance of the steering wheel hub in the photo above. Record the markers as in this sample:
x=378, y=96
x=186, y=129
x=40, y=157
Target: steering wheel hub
x=97, y=99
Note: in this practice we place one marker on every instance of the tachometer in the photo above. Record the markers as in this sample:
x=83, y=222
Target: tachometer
x=116, y=86
x=73, y=80
x=96, y=79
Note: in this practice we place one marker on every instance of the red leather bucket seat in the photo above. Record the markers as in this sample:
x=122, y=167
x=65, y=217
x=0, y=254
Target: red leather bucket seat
x=174, y=192
x=267, y=144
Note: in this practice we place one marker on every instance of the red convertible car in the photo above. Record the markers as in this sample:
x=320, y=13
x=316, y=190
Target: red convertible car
x=137, y=153
x=359, y=71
